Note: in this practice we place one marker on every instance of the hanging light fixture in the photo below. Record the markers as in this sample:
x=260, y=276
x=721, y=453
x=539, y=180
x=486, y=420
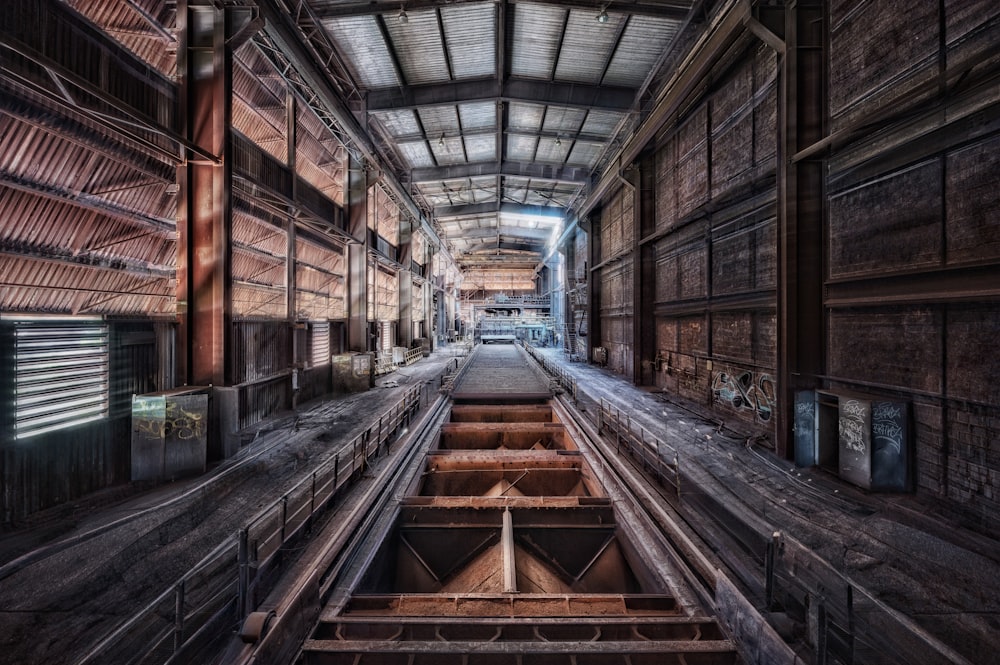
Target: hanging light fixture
x=441, y=141
x=403, y=18
x=558, y=141
x=603, y=16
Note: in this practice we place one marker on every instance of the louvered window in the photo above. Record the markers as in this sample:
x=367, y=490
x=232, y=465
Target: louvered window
x=60, y=376
x=319, y=344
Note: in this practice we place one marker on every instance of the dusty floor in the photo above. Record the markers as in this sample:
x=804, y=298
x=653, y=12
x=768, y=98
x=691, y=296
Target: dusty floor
x=75, y=572
x=943, y=577
x=72, y=574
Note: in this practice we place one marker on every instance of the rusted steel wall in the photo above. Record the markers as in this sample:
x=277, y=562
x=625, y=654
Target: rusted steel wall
x=912, y=309
x=715, y=247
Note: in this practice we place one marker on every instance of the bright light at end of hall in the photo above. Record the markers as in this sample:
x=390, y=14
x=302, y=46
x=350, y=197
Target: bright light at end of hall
x=556, y=232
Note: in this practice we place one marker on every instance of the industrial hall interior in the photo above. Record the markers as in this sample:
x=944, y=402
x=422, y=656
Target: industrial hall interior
x=499, y=332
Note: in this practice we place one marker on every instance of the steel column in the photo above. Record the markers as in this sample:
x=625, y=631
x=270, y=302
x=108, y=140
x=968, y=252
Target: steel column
x=644, y=274
x=204, y=210
x=291, y=128
x=356, y=201
x=405, y=332
x=802, y=116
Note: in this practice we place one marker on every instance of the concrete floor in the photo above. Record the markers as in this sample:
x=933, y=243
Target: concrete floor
x=74, y=573
x=944, y=578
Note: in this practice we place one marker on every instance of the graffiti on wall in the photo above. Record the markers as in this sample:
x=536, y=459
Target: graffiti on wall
x=156, y=418
x=747, y=390
x=853, y=425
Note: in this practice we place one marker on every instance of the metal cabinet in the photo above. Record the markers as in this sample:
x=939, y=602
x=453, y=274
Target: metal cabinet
x=169, y=434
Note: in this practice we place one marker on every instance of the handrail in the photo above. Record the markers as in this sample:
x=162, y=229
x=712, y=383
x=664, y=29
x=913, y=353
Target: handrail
x=566, y=381
x=654, y=454
x=790, y=567
x=225, y=586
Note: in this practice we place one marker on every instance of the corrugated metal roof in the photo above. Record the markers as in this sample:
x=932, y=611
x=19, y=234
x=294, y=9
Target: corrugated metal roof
x=561, y=119
x=537, y=33
x=552, y=151
x=585, y=154
x=416, y=154
x=449, y=150
x=360, y=41
x=439, y=119
x=419, y=47
x=601, y=123
x=481, y=115
x=641, y=46
x=482, y=148
x=451, y=50
x=521, y=147
x=526, y=116
x=587, y=46
x=398, y=123
x=470, y=34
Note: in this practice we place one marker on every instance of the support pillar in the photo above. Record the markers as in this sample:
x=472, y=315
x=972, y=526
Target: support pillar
x=204, y=210
x=405, y=335
x=643, y=273
x=594, y=286
x=356, y=195
x=802, y=119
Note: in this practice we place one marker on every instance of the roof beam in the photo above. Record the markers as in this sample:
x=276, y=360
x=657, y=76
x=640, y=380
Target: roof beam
x=675, y=9
x=473, y=209
x=534, y=237
x=290, y=42
x=491, y=243
x=534, y=170
x=554, y=93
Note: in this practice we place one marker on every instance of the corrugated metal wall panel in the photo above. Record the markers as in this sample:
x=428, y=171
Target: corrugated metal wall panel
x=53, y=31
x=260, y=350
x=320, y=158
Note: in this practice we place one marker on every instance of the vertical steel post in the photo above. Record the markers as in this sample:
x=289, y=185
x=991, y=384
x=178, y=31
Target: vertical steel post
x=801, y=211
x=178, y=616
x=243, y=582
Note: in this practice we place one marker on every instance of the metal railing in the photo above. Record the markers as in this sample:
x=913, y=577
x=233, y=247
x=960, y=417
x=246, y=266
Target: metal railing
x=384, y=364
x=214, y=597
x=850, y=624
x=653, y=454
x=413, y=355
x=564, y=379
